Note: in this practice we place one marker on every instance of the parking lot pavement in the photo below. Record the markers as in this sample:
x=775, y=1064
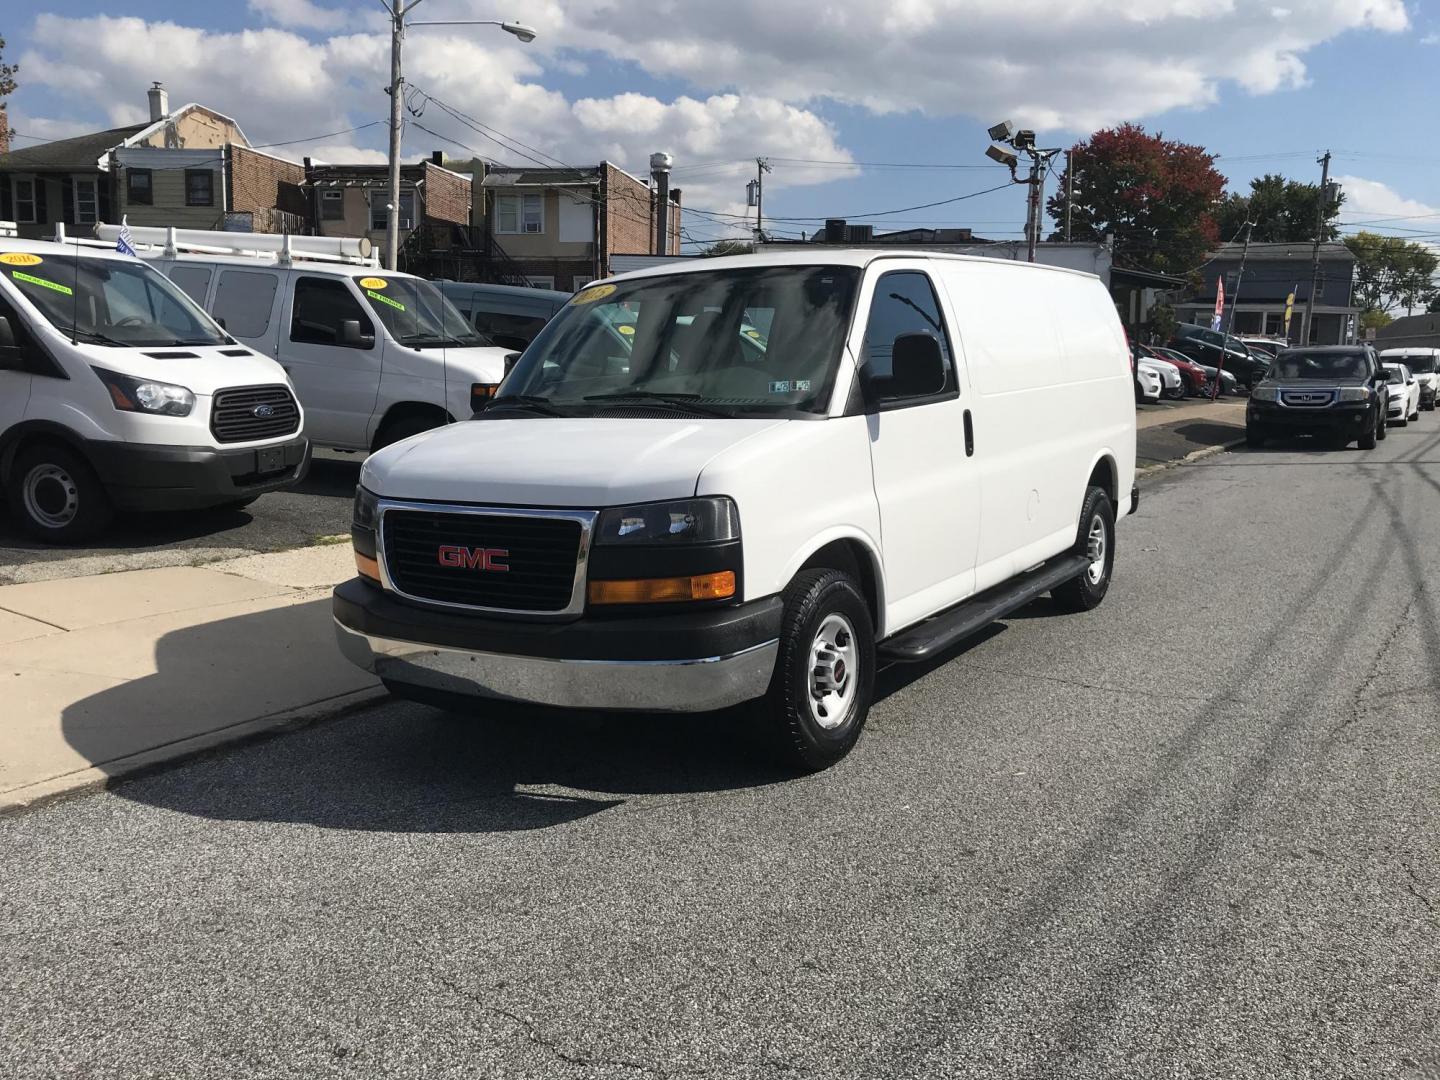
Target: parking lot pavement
x=318, y=508
x=1191, y=833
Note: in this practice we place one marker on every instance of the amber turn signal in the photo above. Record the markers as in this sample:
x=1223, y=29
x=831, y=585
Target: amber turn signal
x=664, y=590
x=367, y=567
x=480, y=395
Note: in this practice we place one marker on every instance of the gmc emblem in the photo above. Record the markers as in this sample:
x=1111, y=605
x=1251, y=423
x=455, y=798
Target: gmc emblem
x=474, y=558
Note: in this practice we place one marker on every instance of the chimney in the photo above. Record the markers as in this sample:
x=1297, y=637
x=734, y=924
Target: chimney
x=159, y=102
x=660, y=173
x=437, y=157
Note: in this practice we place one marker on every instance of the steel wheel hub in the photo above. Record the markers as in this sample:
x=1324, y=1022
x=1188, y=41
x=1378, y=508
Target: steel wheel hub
x=50, y=496
x=834, y=665
x=1095, y=546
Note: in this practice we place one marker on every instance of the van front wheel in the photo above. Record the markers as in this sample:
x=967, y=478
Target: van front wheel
x=824, y=675
x=55, y=495
x=1096, y=541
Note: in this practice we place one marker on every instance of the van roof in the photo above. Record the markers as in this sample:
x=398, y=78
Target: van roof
x=271, y=261
x=1410, y=352
x=823, y=255
x=50, y=248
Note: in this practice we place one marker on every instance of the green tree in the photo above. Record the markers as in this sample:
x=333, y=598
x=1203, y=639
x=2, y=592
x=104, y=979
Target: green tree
x=1155, y=197
x=728, y=247
x=1391, y=273
x=1374, y=320
x=1282, y=210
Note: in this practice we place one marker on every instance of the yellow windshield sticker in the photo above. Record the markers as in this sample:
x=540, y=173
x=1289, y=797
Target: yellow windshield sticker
x=373, y=295
x=626, y=329
x=373, y=283
x=18, y=276
x=592, y=294
x=20, y=258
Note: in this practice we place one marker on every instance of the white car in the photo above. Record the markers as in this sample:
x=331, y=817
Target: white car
x=1172, y=383
x=1149, y=382
x=1404, y=391
x=1424, y=364
x=118, y=393
x=753, y=479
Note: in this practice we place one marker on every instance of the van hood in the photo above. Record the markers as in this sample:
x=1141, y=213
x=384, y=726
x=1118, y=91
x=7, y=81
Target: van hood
x=556, y=461
x=201, y=369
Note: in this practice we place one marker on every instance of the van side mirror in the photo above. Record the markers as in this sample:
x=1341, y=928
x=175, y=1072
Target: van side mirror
x=510, y=359
x=350, y=335
x=7, y=334
x=917, y=368
x=11, y=359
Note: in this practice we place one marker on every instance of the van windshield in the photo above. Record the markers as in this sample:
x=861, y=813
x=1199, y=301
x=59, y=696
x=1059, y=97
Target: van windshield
x=416, y=312
x=1419, y=363
x=1300, y=365
x=111, y=302
x=732, y=342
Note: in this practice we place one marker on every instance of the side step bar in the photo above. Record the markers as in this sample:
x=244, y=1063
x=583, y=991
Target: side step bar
x=939, y=632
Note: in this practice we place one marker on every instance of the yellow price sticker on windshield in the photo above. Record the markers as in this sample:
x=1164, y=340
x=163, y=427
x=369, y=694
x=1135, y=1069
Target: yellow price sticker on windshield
x=626, y=329
x=373, y=283
x=18, y=276
x=592, y=294
x=20, y=258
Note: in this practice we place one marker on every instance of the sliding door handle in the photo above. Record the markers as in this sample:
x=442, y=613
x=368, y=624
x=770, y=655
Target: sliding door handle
x=969, y=435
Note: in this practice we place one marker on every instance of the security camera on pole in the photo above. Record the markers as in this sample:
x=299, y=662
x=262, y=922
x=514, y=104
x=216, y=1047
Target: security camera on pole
x=1024, y=142
x=398, y=9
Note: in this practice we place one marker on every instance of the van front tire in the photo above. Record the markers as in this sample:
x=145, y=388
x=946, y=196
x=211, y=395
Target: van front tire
x=824, y=675
x=1095, y=539
x=55, y=495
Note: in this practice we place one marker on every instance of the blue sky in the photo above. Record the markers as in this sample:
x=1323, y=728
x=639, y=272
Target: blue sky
x=1266, y=87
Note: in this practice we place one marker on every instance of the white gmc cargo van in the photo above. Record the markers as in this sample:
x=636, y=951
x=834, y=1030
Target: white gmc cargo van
x=375, y=356
x=753, y=478
x=117, y=392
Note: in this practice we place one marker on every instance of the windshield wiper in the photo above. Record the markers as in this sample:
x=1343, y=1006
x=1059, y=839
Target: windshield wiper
x=679, y=400
x=93, y=335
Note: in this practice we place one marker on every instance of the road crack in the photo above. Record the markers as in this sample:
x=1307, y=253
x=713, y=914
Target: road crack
x=1357, y=699
x=533, y=1034
x=1415, y=885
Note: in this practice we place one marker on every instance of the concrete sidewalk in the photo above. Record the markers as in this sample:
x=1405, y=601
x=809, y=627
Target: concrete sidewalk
x=104, y=675
x=1176, y=431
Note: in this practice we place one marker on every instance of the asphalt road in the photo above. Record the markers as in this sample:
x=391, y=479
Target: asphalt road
x=1190, y=834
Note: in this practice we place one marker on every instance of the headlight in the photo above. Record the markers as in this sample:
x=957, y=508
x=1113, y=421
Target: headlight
x=129, y=394
x=366, y=508
x=1263, y=393
x=688, y=521
x=1354, y=393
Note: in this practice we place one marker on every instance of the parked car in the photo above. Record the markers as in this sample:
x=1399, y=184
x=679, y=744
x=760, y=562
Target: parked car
x=118, y=393
x=1219, y=350
x=1267, y=347
x=1404, y=395
x=507, y=316
x=1171, y=384
x=1147, y=385
x=1334, y=390
x=1424, y=364
x=637, y=521
x=1228, y=383
x=375, y=356
x=1192, y=373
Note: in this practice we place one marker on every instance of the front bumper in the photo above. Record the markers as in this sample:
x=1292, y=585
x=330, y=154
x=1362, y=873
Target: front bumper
x=686, y=662
x=138, y=476
x=1348, y=416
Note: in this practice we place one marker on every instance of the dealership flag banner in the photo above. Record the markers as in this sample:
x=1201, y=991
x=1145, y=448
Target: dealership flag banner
x=1289, y=308
x=125, y=243
x=1219, y=303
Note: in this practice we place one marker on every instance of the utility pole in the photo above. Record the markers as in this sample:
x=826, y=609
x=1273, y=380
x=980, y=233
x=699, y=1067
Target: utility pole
x=1032, y=216
x=1069, y=189
x=1306, y=323
x=1234, y=303
x=762, y=166
x=397, y=84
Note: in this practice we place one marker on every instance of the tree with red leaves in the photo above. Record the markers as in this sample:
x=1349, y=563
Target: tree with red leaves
x=1156, y=197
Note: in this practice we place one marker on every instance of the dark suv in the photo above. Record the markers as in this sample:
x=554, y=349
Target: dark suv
x=1335, y=390
x=1214, y=349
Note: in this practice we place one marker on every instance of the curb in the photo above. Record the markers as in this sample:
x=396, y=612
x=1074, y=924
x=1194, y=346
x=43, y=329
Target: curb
x=108, y=774
x=1194, y=455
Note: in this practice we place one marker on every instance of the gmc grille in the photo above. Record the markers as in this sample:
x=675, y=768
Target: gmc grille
x=233, y=418
x=541, y=555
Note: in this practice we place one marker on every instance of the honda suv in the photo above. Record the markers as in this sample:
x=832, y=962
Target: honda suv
x=1335, y=390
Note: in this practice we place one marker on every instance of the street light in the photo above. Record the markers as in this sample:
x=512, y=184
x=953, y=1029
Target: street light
x=398, y=10
x=1023, y=142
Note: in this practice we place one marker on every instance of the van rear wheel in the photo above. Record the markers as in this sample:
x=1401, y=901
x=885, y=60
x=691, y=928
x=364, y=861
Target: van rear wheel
x=55, y=495
x=824, y=675
x=1095, y=540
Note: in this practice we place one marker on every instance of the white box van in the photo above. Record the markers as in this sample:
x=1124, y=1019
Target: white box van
x=1424, y=364
x=117, y=392
x=753, y=478
x=375, y=356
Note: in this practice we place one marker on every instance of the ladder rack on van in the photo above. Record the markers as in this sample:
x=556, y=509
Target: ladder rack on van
x=283, y=248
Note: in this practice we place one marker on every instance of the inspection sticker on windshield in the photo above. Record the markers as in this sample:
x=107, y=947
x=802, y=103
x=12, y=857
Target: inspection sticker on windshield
x=373, y=283
x=18, y=276
x=785, y=386
x=20, y=258
x=590, y=295
x=373, y=295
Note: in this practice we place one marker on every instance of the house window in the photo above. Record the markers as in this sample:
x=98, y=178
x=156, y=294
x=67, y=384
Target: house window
x=332, y=205
x=138, y=189
x=87, y=205
x=24, y=201
x=540, y=281
x=380, y=214
x=520, y=214
x=199, y=187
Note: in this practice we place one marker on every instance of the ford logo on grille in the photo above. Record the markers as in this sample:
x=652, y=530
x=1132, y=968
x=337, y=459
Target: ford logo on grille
x=263, y=411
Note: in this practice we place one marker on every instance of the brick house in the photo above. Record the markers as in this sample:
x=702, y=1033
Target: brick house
x=352, y=200
x=233, y=187
x=557, y=228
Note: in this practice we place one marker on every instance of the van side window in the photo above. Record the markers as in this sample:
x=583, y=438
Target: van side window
x=195, y=280
x=321, y=305
x=492, y=323
x=904, y=303
x=244, y=299
x=36, y=361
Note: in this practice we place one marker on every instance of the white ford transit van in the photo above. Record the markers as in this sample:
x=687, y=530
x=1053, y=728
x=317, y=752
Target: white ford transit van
x=753, y=478
x=117, y=392
x=375, y=356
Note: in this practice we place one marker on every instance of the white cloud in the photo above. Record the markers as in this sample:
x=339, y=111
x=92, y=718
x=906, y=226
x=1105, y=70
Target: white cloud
x=1377, y=207
x=300, y=14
